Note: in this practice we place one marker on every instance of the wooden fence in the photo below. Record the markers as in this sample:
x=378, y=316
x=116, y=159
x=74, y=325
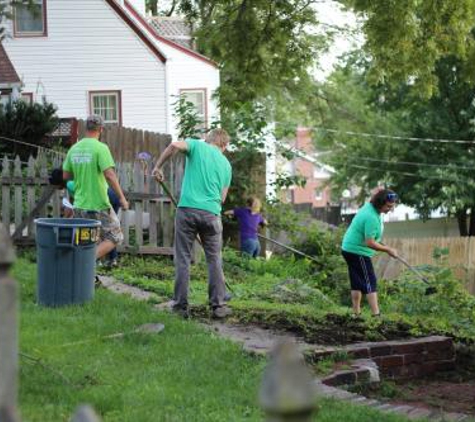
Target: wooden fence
x=148, y=226
x=125, y=143
x=461, y=256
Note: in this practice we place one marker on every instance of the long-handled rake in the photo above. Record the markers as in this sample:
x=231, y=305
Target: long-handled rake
x=429, y=290
x=282, y=245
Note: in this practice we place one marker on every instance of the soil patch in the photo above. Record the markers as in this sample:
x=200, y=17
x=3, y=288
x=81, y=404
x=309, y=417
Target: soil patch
x=431, y=394
x=452, y=391
x=331, y=329
x=451, y=397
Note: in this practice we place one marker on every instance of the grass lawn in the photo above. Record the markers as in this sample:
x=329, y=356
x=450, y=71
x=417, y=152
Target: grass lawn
x=185, y=373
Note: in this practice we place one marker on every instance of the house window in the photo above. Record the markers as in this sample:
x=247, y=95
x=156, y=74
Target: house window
x=30, y=19
x=5, y=97
x=318, y=194
x=27, y=97
x=108, y=105
x=198, y=98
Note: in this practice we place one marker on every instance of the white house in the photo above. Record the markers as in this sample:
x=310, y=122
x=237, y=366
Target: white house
x=104, y=57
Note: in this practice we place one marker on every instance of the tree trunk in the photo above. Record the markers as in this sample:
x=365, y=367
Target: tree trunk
x=462, y=222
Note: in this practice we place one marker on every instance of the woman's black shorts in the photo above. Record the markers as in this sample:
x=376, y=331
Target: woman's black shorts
x=361, y=272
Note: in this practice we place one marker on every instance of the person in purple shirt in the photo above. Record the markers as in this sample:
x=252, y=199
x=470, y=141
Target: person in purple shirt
x=249, y=219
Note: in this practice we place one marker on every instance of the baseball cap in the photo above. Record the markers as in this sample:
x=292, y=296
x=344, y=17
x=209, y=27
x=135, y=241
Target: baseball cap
x=94, y=120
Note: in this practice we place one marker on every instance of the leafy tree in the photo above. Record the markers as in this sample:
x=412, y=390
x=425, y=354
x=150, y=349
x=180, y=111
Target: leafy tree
x=260, y=45
x=28, y=123
x=190, y=125
x=407, y=38
x=428, y=175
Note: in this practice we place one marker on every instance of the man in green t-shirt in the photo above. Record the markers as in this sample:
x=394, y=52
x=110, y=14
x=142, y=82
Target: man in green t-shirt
x=204, y=189
x=361, y=242
x=90, y=163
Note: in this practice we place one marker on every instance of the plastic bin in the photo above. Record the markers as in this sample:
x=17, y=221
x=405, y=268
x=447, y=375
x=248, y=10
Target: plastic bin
x=66, y=258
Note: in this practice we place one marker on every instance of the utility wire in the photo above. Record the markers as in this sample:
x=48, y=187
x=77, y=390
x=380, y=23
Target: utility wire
x=315, y=160
x=402, y=138
x=413, y=163
x=445, y=179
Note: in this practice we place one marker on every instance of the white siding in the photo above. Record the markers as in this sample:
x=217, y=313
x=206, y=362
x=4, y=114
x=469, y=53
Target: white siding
x=88, y=48
x=188, y=72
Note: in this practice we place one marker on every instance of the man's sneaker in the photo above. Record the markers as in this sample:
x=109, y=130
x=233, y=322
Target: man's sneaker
x=97, y=282
x=222, y=312
x=183, y=311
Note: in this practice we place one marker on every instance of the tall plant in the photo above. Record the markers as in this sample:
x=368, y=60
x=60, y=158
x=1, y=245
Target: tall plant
x=28, y=123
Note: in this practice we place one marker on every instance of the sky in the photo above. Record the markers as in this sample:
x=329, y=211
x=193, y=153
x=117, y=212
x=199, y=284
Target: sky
x=331, y=13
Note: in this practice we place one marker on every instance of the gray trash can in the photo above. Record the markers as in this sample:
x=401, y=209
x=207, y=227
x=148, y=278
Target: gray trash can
x=66, y=259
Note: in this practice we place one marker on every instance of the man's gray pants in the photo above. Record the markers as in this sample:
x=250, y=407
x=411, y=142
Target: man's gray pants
x=190, y=222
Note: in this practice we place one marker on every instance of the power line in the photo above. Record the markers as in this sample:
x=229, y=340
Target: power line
x=413, y=163
x=314, y=160
x=402, y=138
x=405, y=173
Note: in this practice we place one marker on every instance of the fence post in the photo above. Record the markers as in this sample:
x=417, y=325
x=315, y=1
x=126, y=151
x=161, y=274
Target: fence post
x=6, y=193
x=8, y=333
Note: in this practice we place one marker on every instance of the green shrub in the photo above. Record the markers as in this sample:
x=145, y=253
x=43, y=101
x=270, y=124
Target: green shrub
x=28, y=123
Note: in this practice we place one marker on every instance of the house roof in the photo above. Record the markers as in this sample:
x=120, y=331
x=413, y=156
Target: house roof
x=136, y=28
x=8, y=73
x=152, y=31
x=174, y=29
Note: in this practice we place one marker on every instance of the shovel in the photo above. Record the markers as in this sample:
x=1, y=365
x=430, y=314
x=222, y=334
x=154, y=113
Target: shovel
x=431, y=289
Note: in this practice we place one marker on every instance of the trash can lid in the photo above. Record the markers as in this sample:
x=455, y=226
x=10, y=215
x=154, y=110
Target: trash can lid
x=67, y=222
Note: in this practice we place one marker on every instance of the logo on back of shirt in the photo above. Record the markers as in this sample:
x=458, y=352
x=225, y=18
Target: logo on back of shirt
x=82, y=158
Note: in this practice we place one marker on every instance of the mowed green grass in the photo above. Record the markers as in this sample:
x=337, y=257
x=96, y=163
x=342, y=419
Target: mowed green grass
x=185, y=373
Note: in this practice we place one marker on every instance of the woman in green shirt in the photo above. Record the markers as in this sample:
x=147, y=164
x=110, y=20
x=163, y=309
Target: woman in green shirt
x=361, y=242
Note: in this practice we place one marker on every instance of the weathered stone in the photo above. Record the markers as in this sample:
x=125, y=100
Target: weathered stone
x=383, y=350
x=288, y=390
x=457, y=417
x=7, y=253
x=362, y=353
x=413, y=358
x=403, y=348
x=8, y=414
x=150, y=328
x=8, y=348
x=403, y=409
x=419, y=413
x=391, y=361
x=384, y=407
x=440, y=354
x=85, y=413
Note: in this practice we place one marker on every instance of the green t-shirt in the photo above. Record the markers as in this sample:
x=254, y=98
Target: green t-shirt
x=87, y=160
x=207, y=173
x=367, y=224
